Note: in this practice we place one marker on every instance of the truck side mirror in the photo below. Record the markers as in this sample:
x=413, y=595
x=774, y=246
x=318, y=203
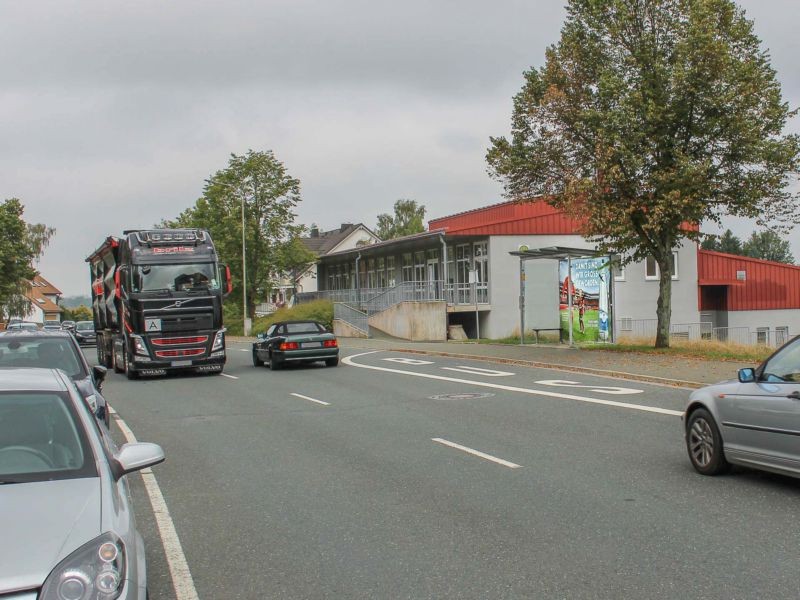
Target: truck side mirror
x=228, y=279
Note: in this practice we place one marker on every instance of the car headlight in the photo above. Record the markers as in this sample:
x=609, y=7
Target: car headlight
x=95, y=571
x=139, y=346
x=219, y=340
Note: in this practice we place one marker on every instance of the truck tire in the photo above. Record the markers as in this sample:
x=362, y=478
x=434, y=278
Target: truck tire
x=115, y=364
x=129, y=373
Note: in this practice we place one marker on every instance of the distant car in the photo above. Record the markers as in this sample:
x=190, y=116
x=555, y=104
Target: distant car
x=68, y=325
x=84, y=332
x=295, y=342
x=22, y=326
x=68, y=525
x=55, y=350
x=52, y=327
x=753, y=421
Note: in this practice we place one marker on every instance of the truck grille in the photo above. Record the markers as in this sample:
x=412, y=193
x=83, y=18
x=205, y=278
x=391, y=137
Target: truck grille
x=178, y=353
x=180, y=341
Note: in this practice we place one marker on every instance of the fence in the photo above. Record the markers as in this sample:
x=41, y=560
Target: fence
x=353, y=316
x=646, y=328
x=374, y=300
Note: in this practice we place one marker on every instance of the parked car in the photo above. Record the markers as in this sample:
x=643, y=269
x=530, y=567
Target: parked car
x=68, y=526
x=52, y=326
x=22, y=326
x=68, y=325
x=752, y=421
x=56, y=350
x=295, y=342
x=84, y=332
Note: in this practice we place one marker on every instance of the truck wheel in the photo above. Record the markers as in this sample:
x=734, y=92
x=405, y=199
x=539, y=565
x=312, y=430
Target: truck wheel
x=115, y=363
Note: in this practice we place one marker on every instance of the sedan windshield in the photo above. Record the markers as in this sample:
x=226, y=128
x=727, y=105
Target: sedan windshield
x=84, y=326
x=175, y=277
x=41, y=439
x=48, y=353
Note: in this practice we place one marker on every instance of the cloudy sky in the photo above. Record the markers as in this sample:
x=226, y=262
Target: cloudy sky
x=114, y=114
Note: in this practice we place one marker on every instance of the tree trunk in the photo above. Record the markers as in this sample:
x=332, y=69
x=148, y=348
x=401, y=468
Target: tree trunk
x=664, y=306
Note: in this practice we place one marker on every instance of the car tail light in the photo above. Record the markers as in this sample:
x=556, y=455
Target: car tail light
x=288, y=346
x=330, y=344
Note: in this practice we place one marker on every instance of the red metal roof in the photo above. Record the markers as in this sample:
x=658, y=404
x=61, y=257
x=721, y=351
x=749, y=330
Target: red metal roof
x=766, y=285
x=509, y=218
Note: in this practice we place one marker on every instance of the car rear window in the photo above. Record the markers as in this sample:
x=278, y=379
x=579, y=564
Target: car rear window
x=293, y=328
x=42, y=439
x=48, y=353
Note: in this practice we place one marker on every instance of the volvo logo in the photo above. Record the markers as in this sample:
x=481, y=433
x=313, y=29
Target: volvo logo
x=178, y=303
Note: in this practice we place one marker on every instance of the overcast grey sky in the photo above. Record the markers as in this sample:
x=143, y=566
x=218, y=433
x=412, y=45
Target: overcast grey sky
x=114, y=114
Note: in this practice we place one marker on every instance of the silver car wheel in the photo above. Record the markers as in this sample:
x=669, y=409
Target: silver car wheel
x=701, y=442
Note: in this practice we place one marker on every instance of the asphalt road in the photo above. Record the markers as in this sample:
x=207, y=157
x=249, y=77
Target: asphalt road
x=444, y=478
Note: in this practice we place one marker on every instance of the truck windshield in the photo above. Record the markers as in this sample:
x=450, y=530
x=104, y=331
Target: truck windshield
x=177, y=278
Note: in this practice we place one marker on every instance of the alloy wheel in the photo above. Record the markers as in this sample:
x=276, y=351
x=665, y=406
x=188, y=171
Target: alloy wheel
x=701, y=442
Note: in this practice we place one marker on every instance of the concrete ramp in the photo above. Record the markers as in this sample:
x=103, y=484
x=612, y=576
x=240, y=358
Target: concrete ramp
x=343, y=329
x=414, y=321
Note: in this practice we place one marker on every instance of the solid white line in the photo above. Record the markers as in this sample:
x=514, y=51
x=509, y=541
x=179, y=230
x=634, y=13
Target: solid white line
x=311, y=399
x=653, y=409
x=182, y=581
x=228, y=376
x=494, y=459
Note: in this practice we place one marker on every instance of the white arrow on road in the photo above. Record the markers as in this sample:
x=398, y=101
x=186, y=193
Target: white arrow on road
x=602, y=389
x=477, y=371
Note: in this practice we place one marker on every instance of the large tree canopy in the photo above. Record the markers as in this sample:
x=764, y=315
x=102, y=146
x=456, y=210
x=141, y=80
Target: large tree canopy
x=261, y=184
x=408, y=219
x=648, y=118
x=768, y=245
x=21, y=244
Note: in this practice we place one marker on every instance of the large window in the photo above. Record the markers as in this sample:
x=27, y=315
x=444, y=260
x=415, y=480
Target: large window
x=381, y=262
x=419, y=266
x=391, y=275
x=408, y=267
x=371, y=273
x=481, y=250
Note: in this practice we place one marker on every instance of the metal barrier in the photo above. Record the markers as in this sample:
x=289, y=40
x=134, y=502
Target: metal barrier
x=378, y=299
x=646, y=329
x=352, y=316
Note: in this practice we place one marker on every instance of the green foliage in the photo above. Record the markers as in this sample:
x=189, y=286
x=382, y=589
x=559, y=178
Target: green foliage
x=727, y=242
x=318, y=310
x=260, y=183
x=79, y=313
x=21, y=244
x=647, y=116
x=768, y=245
x=408, y=219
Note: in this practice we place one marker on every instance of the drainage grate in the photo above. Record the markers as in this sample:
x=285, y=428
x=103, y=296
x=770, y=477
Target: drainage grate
x=462, y=396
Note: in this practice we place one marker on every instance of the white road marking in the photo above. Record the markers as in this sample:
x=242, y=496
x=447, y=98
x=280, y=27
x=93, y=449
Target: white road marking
x=478, y=453
x=602, y=389
x=653, y=409
x=477, y=371
x=182, y=581
x=229, y=376
x=243, y=350
x=311, y=399
x=408, y=361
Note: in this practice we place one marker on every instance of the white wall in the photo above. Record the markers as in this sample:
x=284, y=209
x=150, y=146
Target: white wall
x=766, y=318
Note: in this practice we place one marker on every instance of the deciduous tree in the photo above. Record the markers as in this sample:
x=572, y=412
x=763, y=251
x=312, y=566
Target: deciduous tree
x=647, y=118
x=408, y=219
x=768, y=245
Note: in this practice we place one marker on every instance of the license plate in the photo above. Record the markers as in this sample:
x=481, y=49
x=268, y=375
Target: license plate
x=181, y=363
x=311, y=344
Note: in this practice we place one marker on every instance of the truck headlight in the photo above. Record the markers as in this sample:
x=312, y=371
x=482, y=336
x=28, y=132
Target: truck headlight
x=95, y=571
x=139, y=345
x=219, y=341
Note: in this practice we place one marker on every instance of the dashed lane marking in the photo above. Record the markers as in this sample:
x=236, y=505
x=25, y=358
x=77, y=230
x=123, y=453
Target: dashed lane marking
x=477, y=453
x=311, y=399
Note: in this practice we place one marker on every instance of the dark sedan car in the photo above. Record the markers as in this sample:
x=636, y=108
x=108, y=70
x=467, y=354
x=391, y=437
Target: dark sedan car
x=84, y=332
x=295, y=342
x=56, y=350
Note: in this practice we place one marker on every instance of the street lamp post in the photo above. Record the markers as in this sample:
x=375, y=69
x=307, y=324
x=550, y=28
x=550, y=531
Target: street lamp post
x=245, y=319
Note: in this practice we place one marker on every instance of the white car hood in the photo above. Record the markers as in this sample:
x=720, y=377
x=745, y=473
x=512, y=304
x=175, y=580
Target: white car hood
x=42, y=523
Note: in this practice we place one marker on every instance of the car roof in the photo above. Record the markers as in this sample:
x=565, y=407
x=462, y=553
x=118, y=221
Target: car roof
x=31, y=379
x=296, y=321
x=43, y=333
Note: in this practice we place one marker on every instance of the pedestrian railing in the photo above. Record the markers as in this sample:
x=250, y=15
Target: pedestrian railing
x=646, y=329
x=352, y=316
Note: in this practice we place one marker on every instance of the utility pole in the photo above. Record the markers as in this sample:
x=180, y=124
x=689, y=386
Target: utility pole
x=245, y=319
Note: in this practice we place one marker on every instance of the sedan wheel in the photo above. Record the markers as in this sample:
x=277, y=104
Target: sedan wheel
x=704, y=443
x=274, y=363
x=257, y=362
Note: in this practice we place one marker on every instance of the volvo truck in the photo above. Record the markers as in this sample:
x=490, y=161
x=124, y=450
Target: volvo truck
x=157, y=302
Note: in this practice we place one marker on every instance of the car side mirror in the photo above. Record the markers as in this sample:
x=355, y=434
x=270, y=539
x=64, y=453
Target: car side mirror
x=135, y=457
x=747, y=375
x=99, y=374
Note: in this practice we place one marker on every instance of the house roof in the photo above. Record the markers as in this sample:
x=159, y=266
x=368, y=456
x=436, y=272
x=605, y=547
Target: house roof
x=326, y=241
x=39, y=293
x=536, y=217
x=45, y=287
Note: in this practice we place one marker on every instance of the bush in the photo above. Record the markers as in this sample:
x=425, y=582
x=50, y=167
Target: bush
x=318, y=310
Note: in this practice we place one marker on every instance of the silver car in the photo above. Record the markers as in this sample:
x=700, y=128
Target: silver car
x=753, y=421
x=68, y=530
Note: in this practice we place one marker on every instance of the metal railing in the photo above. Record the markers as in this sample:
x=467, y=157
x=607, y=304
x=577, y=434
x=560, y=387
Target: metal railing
x=374, y=300
x=646, y=329
x=352, y=316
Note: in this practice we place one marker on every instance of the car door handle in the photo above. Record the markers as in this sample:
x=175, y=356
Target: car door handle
x=794, y=395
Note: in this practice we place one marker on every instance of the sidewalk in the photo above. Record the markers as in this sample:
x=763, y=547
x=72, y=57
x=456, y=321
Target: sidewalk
x=669, y=370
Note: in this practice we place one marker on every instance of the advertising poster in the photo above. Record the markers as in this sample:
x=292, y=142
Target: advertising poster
x=590, y=290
